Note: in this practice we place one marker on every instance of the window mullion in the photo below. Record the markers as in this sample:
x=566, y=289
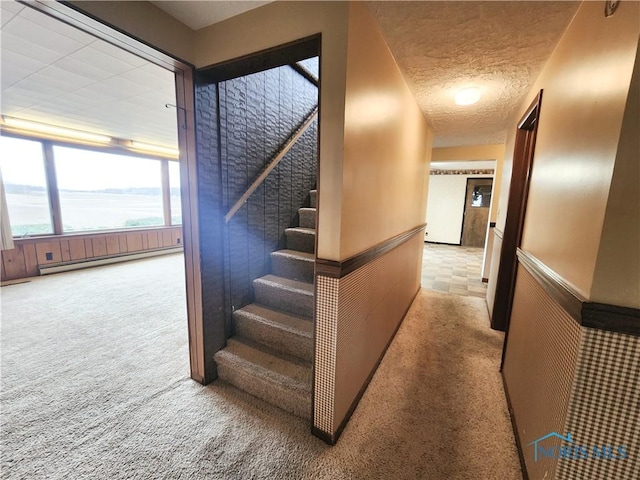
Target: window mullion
x=166, y=191
x=52, y=186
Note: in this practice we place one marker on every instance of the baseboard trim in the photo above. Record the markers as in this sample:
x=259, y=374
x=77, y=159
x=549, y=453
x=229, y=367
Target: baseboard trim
x=98, y=261
x=610, y=318
x=514, y=426
x=339, y=269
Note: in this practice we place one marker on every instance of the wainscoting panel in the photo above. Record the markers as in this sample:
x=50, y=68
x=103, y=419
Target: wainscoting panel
x=32, y=253
x=539, y=366
x=605, y=406
x=357, y=317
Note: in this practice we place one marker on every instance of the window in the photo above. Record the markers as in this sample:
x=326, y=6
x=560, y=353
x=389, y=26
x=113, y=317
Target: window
x=107, y=191
x=25, y=183
x=481, y=196
x=174, y=187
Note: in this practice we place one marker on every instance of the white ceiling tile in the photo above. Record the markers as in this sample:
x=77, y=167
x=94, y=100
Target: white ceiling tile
x=126, y=86
x=14, y=43
x=33, y=33
x=95, y=58
x=77, y=66
x=6, y=16
x=11, y=7
x=56, y=74
x=120, y=54
x=60, y=79
x=56, y=26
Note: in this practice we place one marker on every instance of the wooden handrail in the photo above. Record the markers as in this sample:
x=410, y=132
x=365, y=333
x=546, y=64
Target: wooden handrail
x=273, y=164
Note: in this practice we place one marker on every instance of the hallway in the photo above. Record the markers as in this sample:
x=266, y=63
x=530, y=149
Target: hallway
x=100, y=389
x=453, y=269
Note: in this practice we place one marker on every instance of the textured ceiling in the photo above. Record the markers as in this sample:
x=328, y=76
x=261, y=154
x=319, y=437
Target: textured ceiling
x=498, y=46
x=203, y=13
x=56, y=74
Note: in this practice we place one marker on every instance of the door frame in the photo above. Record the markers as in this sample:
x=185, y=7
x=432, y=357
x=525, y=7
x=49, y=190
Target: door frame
x=516, y=210
x=464, y=210
x=185, y=118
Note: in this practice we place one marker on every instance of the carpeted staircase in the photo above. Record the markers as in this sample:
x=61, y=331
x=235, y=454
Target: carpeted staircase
x=272, y=352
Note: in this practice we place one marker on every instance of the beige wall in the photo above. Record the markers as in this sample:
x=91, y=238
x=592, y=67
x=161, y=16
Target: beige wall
x=617, y=276
x=146, y=22
x=387, y=144
x=468, y=153
x=472, y=153
x=585, y=82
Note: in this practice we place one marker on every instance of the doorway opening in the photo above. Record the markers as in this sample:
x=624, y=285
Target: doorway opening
x=98, y=134
x=514, y=223
x=477, y=203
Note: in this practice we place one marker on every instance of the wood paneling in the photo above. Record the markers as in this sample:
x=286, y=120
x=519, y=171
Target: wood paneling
x=134, y=242
x=88, y=245
x=13, y=261
x=152, y=240
x=76, y=248
x=177, y=236
x=113, y=245
x=30, y=259
x=66, y=250
x=122, y=240
x=99, y=246
x=167, y=238
x=52, y=248
x=24, y=260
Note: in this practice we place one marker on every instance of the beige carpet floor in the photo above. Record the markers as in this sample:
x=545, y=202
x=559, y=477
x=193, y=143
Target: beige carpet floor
x=94, y=384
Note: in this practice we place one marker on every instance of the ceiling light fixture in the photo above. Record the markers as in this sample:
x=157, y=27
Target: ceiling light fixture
x=37, y=129
x=154, y=149
x=467, y=96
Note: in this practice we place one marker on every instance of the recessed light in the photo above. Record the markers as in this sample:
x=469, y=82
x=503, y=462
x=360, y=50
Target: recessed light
x=467, y=96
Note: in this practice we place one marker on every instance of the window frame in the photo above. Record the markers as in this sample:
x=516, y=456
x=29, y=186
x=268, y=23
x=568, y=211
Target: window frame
x=53, y=193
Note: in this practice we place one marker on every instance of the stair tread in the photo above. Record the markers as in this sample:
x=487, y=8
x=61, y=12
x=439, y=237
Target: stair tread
x=297, y=324
x=245, y=354
x=286, y=283
x=305, y=256
x=308, y=209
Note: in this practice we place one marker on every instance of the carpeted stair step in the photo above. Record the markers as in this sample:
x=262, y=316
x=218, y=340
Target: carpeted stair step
x=314, y=198
x=285, y=294
x=301, y=239
x=293, y=264
x=281, y=331
x=307, y=217
x=274, y=378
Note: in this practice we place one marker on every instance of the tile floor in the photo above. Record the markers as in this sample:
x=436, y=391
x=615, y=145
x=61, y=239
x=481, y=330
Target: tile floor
x=453, y=269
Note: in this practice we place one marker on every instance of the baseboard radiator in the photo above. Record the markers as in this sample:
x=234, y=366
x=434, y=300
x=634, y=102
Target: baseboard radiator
x=98, y=261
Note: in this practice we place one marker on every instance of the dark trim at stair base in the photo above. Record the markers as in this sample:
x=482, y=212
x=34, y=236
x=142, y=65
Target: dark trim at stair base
x=514, y=426
x=322, y=435
x=442, y=243
x=333, y=439
x=610, y=318
x=336, y=269
x=570, y=300
x=257, y=62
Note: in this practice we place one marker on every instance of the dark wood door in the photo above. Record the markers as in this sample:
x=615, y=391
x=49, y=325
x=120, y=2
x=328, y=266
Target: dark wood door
x=476, y=212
